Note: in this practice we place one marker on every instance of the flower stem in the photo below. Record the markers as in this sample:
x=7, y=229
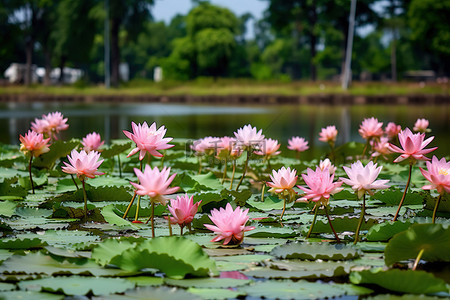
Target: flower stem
x=245, y=170
x=170, y=226
x=129, y=205
x=366, y=147
x=262, y=191
x=153, y=219
x=436, y=207
x=120, y=165
x=404, y=193
x=224, y=171
x=85, y=199
x=361, y=219
x=181, y=230
x=137, y=208
x=416, y=262
x=199, y=158
x=232, y=174
x=331, y=225
x=29, y=171
x=74, y=182
x=316, y=209
x=284, y=208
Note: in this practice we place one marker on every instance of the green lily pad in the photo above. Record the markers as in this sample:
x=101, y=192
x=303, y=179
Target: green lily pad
x=106, y=250
x=434, y=239
x=157, y=293
x=393, y=196
x=175, y=256
x=7, y=208
x=403, y=281
x=269, y=203
x=76, y=285
x=208, y=293
x=116, y=148
x=58, y=149
x=315, y=251
x=340, y=224
x=274, y=232
x=17, y=295
x=386, y=230
x=207, y=282
x=24, y=243
x=109, y=213
x=146, y=280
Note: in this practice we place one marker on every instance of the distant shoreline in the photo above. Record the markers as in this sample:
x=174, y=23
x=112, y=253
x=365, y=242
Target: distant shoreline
x=323, y=99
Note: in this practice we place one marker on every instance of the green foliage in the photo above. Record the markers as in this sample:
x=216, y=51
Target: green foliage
x=315, y=251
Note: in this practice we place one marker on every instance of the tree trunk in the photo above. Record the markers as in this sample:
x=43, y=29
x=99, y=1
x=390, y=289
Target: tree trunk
x=394, y=56
x=313, y=41
x=62, y=63
x=48, y=67
x=29, y=60
x=115, y=52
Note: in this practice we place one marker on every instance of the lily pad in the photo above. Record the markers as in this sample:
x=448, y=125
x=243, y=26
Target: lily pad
x=207, y=282
x=315, y=251
x=157, y=293
x=403, y=281
x=386, y=230
x=269, y=203
x=434, y=239
x=17, y=295
x=206, y=293
x=274, y=232
x=7, y=208
x=108, y=249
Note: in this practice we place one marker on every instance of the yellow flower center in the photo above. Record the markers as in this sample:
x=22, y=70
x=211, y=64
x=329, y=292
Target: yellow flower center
x=443, y=171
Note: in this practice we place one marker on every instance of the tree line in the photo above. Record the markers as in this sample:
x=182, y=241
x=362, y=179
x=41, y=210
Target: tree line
x=295, y=39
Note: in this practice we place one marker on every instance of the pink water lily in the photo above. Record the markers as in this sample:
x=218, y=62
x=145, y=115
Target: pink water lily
x=148, y=139
x=413, y=146
x=392, y=130
x=50, y=124
x=34, y=144
x=362, y=178
x=371, y=128
x=421, y=125
x=381, y=147
x=320, y=186
x=249, y=137
x=282, y=180
x=92, y=141
x=328, y=134
x=155, y=183
x=229, y=224
x=298, y=144
x=268, y=148
x=438, y=174
x=207, y=145
x=326, y=164
x=83, y=164
x=183, y=210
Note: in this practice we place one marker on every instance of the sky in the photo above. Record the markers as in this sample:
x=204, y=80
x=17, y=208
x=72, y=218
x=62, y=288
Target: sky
x=164, y=10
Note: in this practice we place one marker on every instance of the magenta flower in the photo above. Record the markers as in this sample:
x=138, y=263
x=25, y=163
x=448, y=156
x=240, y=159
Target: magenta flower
x=326, y=164
x=183, y=210
x=282, y=180
x=371, y=128
x=321, y=186
x=438, y=174
x=392, y=130
x=148, y=140
x=421, y=125
x=362, y=179
x=249, y=137
x=34, y=143
x=154, y=183
x=328, y=134
x=268, y=148
x=413, y=146
x=83, y=164
x=298, y=144
x=92, y=141
x=229, y=224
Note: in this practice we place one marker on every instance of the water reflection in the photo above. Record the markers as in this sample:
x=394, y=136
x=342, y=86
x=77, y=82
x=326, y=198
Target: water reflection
x=196, y=121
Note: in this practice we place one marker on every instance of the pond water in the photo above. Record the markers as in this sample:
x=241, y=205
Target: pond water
x=195, y=121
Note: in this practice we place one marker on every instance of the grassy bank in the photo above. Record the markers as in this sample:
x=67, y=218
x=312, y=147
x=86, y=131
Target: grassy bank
x=236, y=87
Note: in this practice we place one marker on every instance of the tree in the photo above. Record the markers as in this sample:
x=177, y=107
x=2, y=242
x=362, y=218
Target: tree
x=430, y=28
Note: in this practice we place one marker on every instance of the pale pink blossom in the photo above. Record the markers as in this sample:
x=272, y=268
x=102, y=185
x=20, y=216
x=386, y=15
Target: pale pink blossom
x=298, y=144
x=321, y=186
x=283, y=180
x=92, y=141
x=34, y=143
x=413, y=146
x=56, y=121
x=39, y=126
x=362, y=178
x=229, y=224
x=249, y=137
x=226, y=145
x=392, y=130
x=381, y=147
x=328, y=134
x=371, y=128
x=154, y=183
x=326, y=164
x=421, y=125
x=206, y=145
x=83, y=164
x=148, y=139
x=183, y=210
x=438, y=174
x=268, y=148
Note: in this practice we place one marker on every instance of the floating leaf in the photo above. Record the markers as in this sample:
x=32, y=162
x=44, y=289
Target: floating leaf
x=16, y=295
x=393, y=196
x=340, y=224
x=7, y=208
x=274, y=232
x=269, y=203
x=25, y=243
x=175, y=256
x=208, y=181
x=207, y=282
x=116, y=148
x=157, y=293
x=386, y=230
x=108, y=212
x=209, y=293
x=315, y=251
x=434, y=239
x=403, y=281
x=75, y=285
x=58, y=149
x=146, y=280
x=106, y=250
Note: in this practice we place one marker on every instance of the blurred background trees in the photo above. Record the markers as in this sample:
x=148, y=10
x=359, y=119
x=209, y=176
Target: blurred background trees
x=294, y=40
